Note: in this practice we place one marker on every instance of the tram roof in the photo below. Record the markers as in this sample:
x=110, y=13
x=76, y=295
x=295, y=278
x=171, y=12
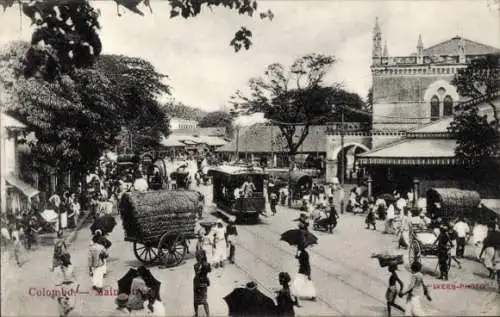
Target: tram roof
x=238, y=170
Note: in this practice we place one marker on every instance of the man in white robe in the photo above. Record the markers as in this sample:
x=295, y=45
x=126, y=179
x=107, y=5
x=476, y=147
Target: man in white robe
x=219, y=242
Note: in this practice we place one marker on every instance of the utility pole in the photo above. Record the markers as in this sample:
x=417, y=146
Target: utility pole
x=237, y=143
x=342, y=167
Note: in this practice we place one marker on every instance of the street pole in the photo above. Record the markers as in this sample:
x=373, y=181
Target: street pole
x=3, y=187
x=237, y=143
x=342, y=167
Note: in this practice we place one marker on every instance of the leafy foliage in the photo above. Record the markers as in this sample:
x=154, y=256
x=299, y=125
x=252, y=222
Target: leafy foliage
x=179, y=110
x=477, y=139
x=480, y=78
x=78, y=115
x=295, y=97
x=70, y=27
x=138, y=84
x=218, y=119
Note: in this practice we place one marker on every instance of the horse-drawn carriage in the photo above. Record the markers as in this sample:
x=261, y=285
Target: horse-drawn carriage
x=447, y=204
x=159, y=223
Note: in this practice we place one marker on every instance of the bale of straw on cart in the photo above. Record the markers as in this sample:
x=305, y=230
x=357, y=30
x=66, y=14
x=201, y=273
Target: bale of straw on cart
x=147, y=216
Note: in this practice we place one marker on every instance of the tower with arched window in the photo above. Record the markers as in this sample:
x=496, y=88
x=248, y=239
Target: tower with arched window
x=412, y=90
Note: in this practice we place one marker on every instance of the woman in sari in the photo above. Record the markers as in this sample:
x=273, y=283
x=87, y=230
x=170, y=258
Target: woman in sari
x=303, y=286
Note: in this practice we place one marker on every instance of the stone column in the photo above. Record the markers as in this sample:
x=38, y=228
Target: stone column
x=275, y=160
x=416, y=191
x=331, y=170
x=370, y=187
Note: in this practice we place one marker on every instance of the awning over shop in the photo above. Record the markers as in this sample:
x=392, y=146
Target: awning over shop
x=26, y=189
x=413, y=152
x=492, y=204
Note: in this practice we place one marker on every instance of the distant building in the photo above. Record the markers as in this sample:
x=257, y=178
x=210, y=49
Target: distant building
x=179, y=123
x=16, y=194
x=193, y=140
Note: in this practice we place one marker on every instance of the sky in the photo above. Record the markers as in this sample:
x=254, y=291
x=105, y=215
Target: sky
x=204, y=71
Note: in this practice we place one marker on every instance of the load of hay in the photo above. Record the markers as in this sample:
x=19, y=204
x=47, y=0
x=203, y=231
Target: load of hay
x=146, y=216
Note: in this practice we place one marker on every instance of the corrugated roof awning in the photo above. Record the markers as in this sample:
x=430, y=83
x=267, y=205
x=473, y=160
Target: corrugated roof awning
x=492, y=204
x=414, y=152
x=26, y=189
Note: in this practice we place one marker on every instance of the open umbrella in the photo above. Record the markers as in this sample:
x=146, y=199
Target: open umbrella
x=207, y=225
x=249, y=302
x=299, y=237
x=105, y=223
x=125, y=283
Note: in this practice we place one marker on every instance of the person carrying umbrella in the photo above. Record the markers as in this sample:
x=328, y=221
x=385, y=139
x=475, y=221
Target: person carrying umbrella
x=303, y=286
x=286, y=301
x=201, y=282
x=139, y=292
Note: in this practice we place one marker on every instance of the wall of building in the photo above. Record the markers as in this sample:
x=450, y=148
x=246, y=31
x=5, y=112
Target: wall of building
x=178, y=123
x=406, y=98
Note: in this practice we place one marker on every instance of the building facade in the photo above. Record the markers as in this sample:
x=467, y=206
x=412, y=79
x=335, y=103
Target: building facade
x=179, y=123
x=408, y=92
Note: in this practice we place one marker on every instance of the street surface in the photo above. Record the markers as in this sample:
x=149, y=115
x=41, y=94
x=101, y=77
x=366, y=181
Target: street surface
x=348, y=281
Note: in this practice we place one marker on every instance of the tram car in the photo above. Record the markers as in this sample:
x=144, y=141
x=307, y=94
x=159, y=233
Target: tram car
x=228, y=194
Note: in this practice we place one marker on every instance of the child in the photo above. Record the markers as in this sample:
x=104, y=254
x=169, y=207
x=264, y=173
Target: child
x=392, y=289
x=415, y=291
x=17, y=250
x=370, y=217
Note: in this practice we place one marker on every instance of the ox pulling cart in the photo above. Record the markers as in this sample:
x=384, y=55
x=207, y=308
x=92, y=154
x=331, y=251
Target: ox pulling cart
x=160, y=223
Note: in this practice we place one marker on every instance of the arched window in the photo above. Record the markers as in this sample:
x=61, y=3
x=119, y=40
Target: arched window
x=447, y=106
x=434, y=108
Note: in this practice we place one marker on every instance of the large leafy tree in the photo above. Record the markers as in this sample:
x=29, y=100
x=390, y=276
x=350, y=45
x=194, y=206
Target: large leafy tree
x=218, y=119
x=178, y=109
x=78, y=115
x=139, y=85
x=73, y=117
x=478, y=137
x=292, y=98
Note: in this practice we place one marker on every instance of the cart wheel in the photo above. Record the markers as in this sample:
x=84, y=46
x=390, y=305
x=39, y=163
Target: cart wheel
x=414, y=252
x=147, y=254
x=172, y=249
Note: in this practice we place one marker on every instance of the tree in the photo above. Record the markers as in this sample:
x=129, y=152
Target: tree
x=79, y=115
x=218, y=119
x=71, y=26
x=291, y=98
x=478, y=138
x=139, y=85
x=480, y=78
x=180, y=110
x=476, y=141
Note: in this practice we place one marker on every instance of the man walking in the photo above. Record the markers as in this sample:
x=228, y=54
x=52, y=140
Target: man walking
x=461, y=229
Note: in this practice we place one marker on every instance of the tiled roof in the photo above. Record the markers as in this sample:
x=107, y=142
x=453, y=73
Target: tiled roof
x=182, y=140
x=258, y=139
x=217, y=131
x=450, y=47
